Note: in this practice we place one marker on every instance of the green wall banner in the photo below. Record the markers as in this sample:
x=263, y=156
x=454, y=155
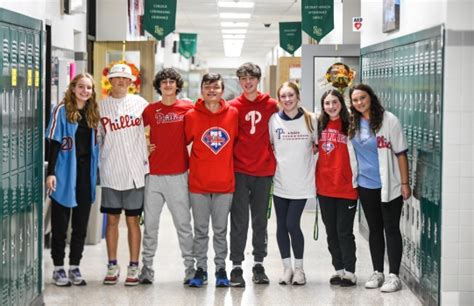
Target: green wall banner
x=187, y=44
x=160, y=17
x=317, y=17
x=290, y=36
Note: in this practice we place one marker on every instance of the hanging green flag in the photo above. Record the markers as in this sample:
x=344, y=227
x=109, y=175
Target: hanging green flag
x=290, y=36
x=317, y=17
x=187, y=44
x=160, y=17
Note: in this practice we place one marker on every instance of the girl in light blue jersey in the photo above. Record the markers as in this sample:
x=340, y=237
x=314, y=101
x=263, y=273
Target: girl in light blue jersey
x=72, y=173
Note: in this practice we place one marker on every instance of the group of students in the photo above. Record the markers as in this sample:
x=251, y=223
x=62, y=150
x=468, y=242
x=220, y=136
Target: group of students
x=241, y=150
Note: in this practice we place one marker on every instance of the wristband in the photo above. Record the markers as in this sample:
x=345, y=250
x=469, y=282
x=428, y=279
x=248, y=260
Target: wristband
x=405, y=183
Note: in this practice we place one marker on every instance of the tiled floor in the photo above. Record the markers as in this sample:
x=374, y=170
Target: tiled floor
x=169, y=272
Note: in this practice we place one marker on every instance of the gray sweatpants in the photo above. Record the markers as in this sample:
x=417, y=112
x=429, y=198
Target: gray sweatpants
x=214, y=206
x=172, y=189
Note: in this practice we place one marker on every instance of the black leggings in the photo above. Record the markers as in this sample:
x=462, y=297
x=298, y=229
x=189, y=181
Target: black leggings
x=288, y=214
x=382, y=216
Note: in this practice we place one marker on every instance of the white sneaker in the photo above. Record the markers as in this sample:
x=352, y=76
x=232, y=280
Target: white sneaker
x=132, y=276
x=375, y=280
x=287, y=276
x=113, y=274
x=299, y=278
x=392, y=284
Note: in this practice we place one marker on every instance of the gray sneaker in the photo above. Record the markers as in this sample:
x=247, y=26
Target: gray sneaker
x=76, y=277
x=147, y=275
x=188, y=275
x=60, y=279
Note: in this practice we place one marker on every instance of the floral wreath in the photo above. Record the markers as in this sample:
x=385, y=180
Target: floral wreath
x=132, y=89
x=340, y=76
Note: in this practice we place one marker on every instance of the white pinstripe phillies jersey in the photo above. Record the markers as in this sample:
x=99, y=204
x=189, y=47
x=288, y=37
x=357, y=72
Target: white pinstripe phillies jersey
x=123, y=152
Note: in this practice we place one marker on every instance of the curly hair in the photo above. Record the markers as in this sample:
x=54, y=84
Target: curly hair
x=343, y=114
x=91, y=108
x=307, y=114
x=168, y=73
x=249, y=69
x=376, y=111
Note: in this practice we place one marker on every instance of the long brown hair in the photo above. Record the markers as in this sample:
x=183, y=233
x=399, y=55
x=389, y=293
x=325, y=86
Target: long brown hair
x=91, y=108
x=376, y=111
x=307, y=115
x=343, y=114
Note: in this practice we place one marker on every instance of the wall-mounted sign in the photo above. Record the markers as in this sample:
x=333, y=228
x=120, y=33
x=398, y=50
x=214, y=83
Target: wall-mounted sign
x=357, y=24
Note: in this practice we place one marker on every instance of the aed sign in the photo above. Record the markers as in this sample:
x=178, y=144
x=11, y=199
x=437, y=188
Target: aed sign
x=357, y=24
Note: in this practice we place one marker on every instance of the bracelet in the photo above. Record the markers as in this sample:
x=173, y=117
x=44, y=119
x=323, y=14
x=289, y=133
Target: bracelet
x=405, y=183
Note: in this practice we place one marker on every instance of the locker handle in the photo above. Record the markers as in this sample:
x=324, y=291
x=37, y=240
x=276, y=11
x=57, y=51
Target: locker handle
x=28, y=237
x=21, y=241
x=4, y=251
x=13, y=246
x=4, y=102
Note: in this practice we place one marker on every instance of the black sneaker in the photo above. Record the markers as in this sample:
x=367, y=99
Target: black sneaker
x=200, y=279
x=335, y=279
x=259, y=276
x=236, y=279
x=221, y=278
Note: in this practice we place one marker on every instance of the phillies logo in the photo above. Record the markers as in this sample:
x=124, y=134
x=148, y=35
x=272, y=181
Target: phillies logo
x=254, y=117
x=215, y=139
x=168, y=118
x=327, y=147
x=66, y=144
x=279, y=131
x=383, y=143
x=122, y=122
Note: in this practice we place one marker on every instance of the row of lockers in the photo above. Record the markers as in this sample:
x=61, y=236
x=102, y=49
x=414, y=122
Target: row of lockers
x=408, y=80
x=20, y=259
x=21, y=164
x=19, y=96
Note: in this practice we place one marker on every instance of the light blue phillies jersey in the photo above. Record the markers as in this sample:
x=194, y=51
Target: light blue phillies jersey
x=63, y=131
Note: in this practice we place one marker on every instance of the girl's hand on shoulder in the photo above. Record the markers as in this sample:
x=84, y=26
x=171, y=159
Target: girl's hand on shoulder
x=406, y=191
x=151, y=148
x=50, y=184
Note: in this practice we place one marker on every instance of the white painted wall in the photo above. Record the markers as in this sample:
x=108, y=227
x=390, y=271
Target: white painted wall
x=112, y=20
x=415, y=15
x=62, y=26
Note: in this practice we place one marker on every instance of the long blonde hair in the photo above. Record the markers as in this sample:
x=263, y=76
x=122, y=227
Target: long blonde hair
x=91, y=107
x=308, y=116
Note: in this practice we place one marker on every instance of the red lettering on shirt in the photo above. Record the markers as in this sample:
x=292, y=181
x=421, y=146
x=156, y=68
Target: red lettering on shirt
x=383, y=143
x=122, y=122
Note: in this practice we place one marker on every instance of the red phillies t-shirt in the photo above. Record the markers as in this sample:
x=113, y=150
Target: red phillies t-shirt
x=167, y=134
x=253, y=153
x=333, y=170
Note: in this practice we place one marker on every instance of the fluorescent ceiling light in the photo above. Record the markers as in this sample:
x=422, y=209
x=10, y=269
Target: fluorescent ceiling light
x=230, y=24
x=234, y=31
x=234, y=15
x=233, y=42
x=230, y=36
x=234, y=4
x=233, y=48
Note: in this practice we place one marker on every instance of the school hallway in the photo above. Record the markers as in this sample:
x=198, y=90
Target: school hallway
x=168, y=288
